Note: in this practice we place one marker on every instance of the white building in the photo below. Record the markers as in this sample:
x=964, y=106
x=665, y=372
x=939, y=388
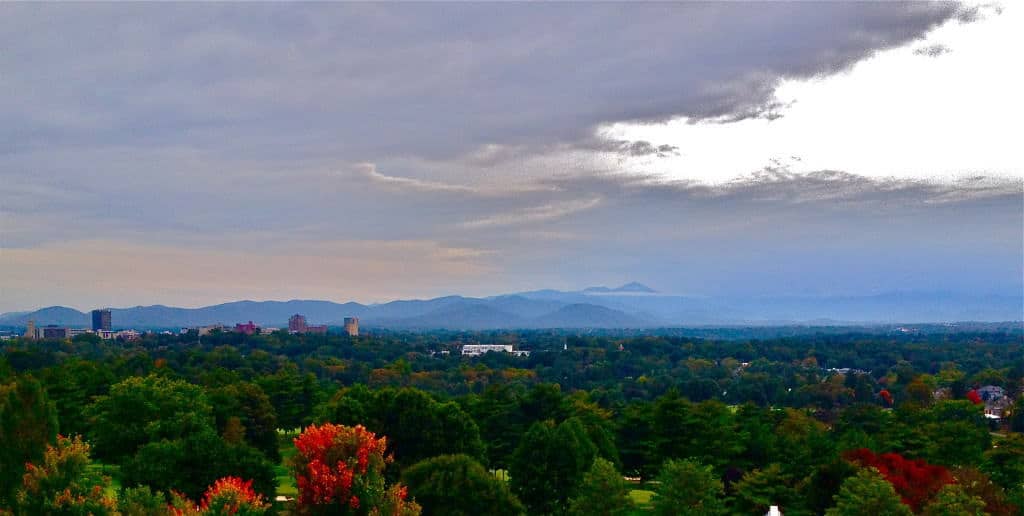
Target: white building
x=127, y=335
x=475, y=350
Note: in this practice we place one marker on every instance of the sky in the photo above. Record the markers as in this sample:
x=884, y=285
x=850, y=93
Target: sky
x=192, y=154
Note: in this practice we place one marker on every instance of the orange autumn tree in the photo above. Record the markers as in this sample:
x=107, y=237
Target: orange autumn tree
x=227, y=496
x=340, y=470
x=63, y=483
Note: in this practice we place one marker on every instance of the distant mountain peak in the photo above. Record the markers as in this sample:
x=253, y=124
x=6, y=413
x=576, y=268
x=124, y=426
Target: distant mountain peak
x=636, y=287
x=629, y=288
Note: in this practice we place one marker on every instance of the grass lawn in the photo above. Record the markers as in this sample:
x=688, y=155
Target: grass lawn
x=641, y=497
x=114, y=472
x=285, y=481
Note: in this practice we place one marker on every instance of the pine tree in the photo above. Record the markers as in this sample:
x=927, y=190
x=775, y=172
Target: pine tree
x=688, y=488
x=602, y=493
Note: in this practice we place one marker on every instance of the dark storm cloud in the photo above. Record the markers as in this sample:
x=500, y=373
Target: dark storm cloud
x=363, y=81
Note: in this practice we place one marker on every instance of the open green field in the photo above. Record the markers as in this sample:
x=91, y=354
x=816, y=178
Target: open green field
x=285, y=481
x=641, y=497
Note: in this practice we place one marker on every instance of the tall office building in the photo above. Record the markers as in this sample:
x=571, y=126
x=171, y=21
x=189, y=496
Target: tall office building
x=101, y=320
x=297, y=324
x=30, y=330
x=352, y=326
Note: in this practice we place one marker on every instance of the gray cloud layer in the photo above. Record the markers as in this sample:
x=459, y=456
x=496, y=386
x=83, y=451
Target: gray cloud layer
x=370, y=80
x=461, y=132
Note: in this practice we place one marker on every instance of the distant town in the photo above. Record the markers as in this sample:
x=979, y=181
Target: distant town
x=102, y=326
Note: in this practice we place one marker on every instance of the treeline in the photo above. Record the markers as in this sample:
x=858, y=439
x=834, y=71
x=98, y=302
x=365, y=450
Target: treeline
x=719, y=427
x=765, y=372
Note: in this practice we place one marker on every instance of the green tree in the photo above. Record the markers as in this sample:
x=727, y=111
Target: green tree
x=141, y=501
x=998, y=501
x=704, y=431
x=417, y=426
x=760, y=444
x=544, y=401
x=635, y=439
x=63, y=484
x=598, y=425
x=496, y=412
x=140, y=410
x=919, y=391
x=458, y=485
x=72, y=386
x=293, y=395
x=688, y=488
x=549, y=465
x=28, y=422
x=803, y=443
x=954, y=500
x=190, y=464
x=1017, y=416
x=760, y=489
x=955, y=434
x=247, y=402
x=867, y=493
x=1004, y=462
x=603, y=492
x=823, y=484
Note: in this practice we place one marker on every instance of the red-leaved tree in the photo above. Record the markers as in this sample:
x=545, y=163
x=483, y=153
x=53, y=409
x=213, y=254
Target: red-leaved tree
x=886, y=397
x=916, y=481
x=974, y=396
x=340, y=470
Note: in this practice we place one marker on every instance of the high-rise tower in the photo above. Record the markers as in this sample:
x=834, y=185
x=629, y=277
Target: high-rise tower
x=352, y=326
x=101, y=320
x=297, y=324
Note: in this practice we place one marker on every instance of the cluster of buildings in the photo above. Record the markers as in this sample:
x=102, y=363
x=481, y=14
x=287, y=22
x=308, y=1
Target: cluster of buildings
x=297, y=324
x=101, y=325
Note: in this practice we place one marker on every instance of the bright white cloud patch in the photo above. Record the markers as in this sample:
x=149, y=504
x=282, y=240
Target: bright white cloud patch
x=911, y=112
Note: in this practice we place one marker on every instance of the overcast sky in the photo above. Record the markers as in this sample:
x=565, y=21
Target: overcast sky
x=190, y=154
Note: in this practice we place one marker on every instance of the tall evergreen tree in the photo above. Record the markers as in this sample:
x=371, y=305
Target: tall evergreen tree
x=549, y=465
x=688, y=488
x=603, y=492
x=457, y=485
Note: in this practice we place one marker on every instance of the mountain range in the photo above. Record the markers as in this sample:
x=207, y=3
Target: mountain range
x=630, y=306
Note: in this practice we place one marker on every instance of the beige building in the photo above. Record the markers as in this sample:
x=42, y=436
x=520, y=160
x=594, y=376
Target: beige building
x=352, y=326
